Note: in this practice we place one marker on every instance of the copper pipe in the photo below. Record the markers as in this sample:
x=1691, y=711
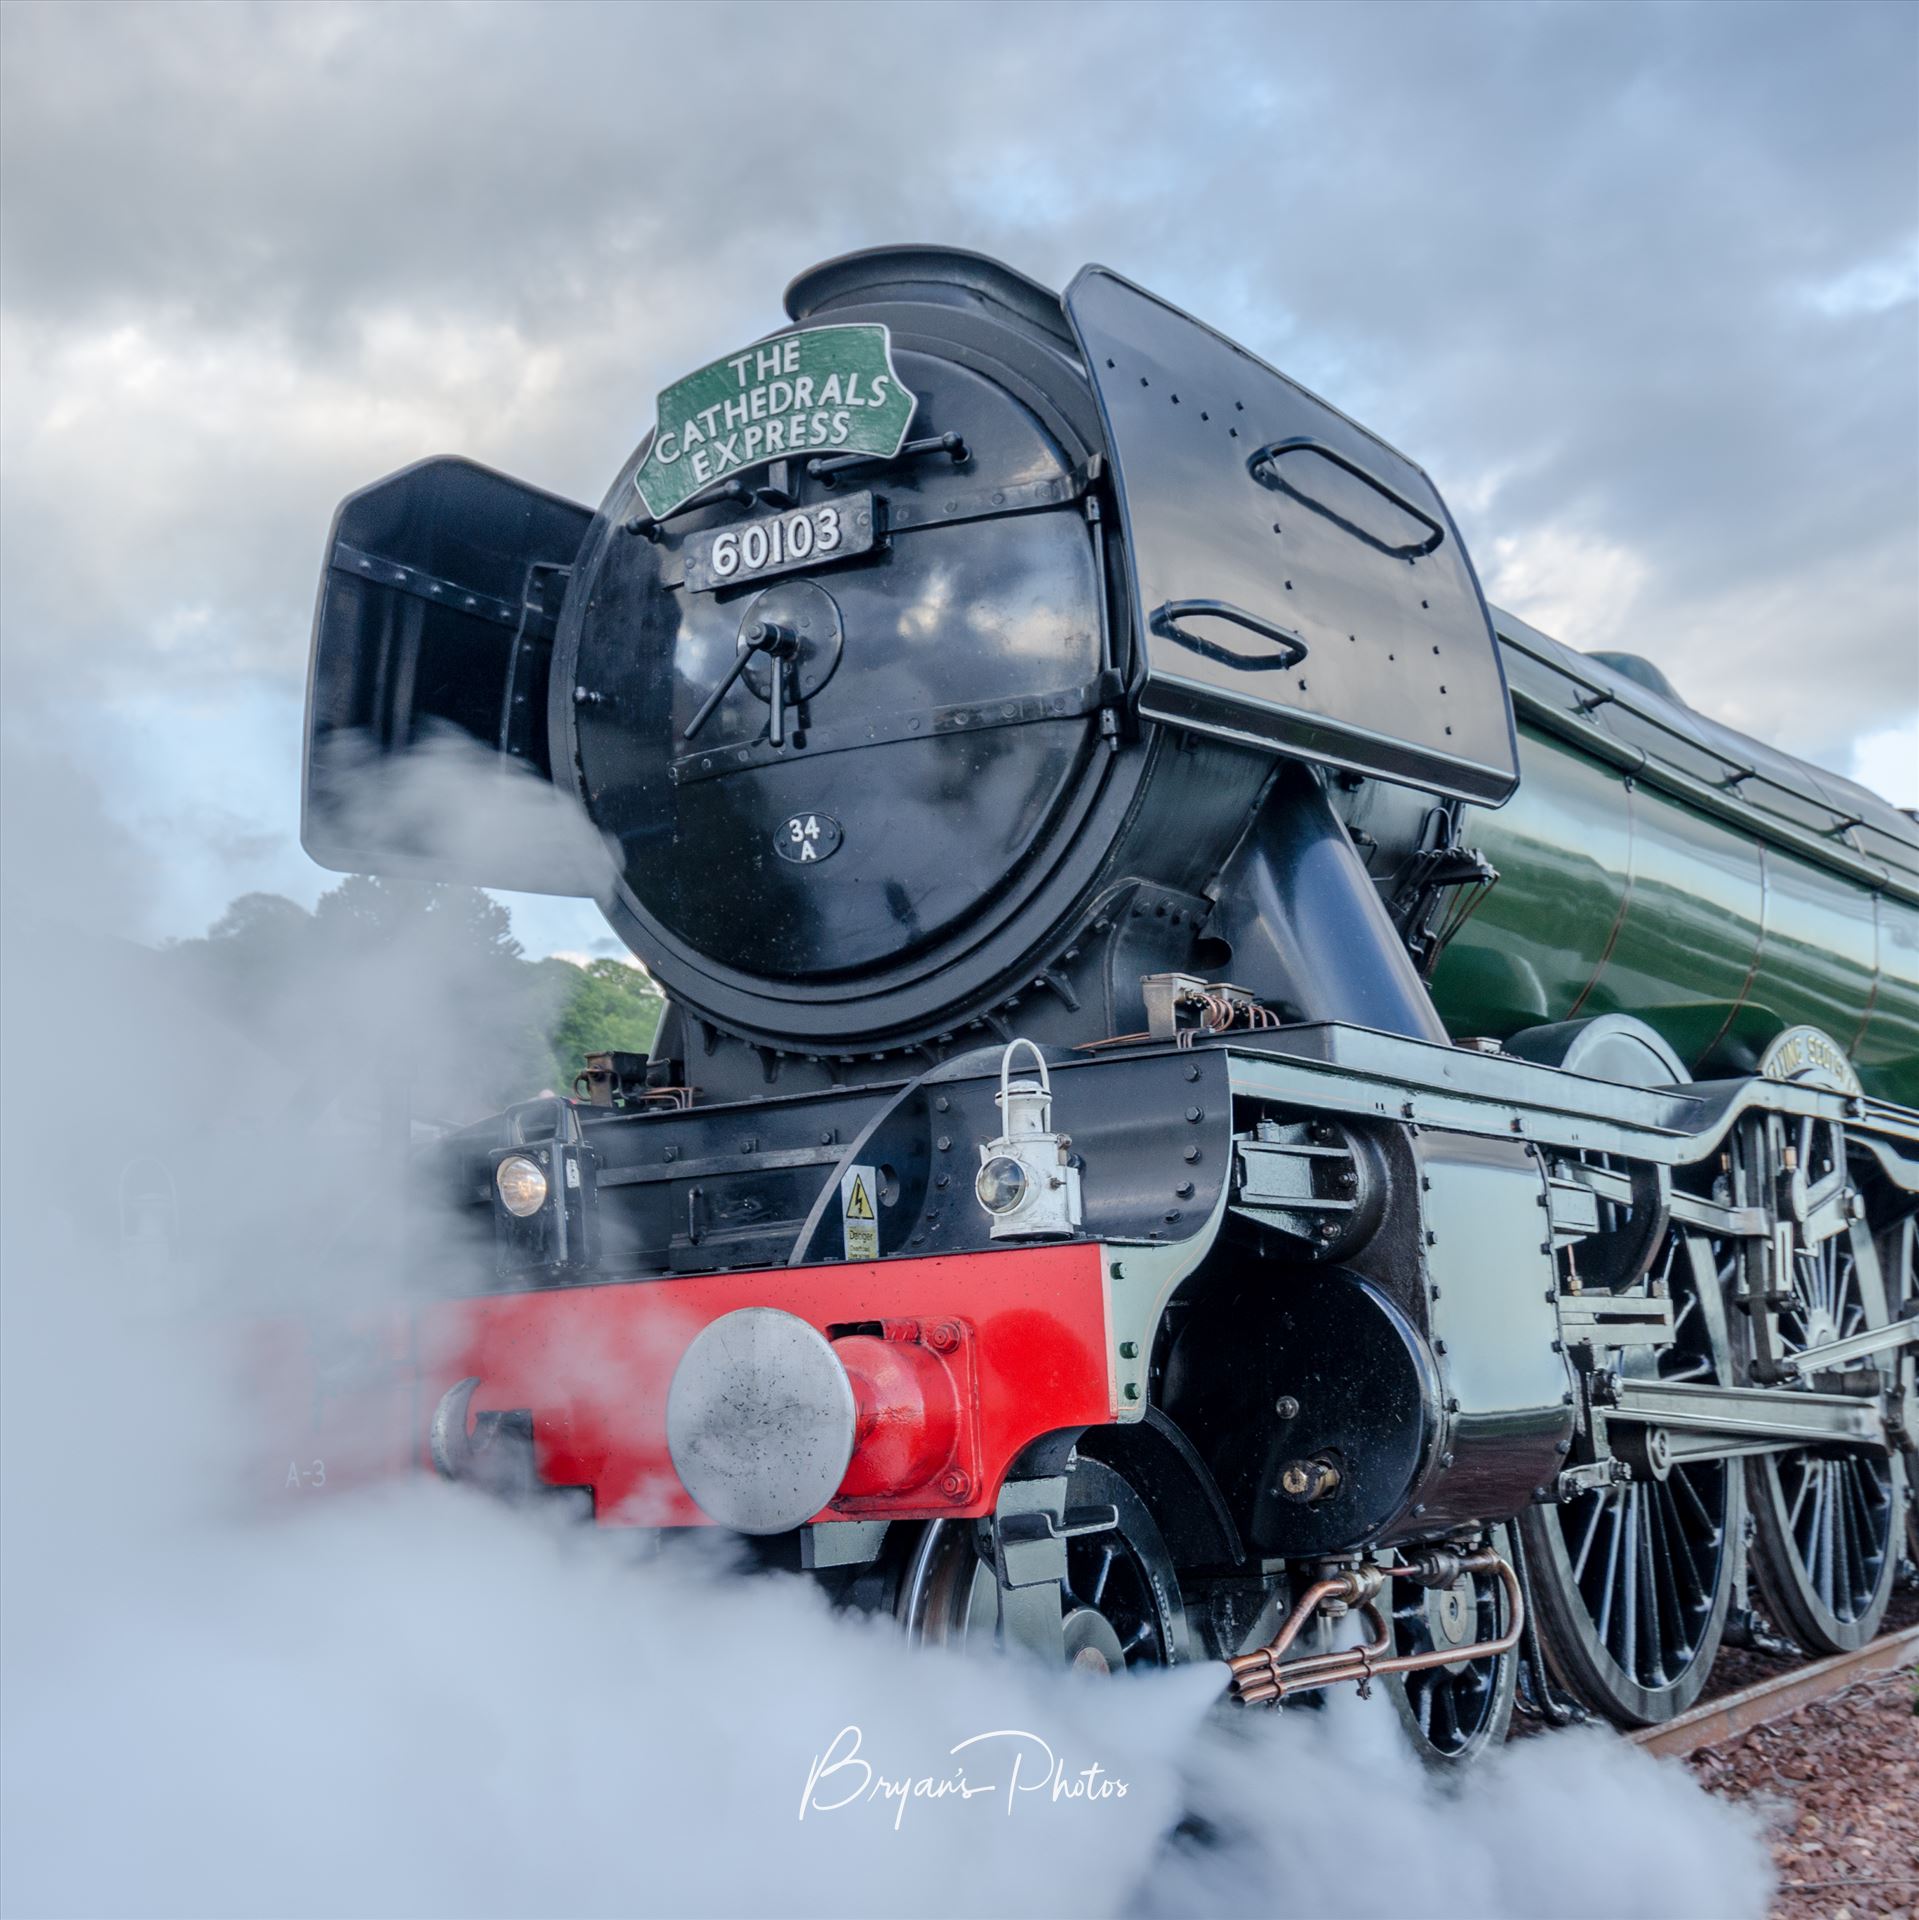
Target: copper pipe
x=1259, y=1677
x=1360, y=1667
x=1381, y=1642
x=1272, y=1682
x=1345, y=1586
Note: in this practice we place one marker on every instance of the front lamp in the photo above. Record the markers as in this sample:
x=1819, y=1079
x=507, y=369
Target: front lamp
x=522, y=1184
x=1001, y=1184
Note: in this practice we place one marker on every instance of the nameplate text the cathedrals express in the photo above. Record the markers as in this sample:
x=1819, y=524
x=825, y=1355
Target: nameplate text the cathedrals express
x=820, y=390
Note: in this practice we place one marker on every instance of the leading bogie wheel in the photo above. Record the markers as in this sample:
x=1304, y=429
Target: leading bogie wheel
x=1121, y=1608
x=1454, y=1713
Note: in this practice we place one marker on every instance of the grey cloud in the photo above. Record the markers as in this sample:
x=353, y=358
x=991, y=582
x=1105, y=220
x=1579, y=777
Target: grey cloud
x=1634, y=281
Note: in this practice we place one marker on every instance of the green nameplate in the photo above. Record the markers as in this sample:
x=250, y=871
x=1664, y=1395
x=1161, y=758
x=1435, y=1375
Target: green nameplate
x=823, y=390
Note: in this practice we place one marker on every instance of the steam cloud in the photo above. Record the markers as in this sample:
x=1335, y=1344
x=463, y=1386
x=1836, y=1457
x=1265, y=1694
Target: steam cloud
x=227, y=1695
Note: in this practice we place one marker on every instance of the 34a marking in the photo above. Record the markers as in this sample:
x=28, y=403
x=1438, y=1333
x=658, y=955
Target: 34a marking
x=804, y=838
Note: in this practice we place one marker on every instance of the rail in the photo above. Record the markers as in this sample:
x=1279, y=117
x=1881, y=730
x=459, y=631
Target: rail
x=1734, y=1714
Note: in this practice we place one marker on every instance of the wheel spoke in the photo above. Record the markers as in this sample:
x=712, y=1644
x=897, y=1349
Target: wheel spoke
x=1610, y=1586
x=1600, y=1503
x=1822, y=1533
x=1852, y=1542
x=1676, y=1553
x=1799, y=1499
x=1811, y=1492
x=1673, y=1585
x=1109, y=1552
x=1700, y=1516
x=1629, y=1584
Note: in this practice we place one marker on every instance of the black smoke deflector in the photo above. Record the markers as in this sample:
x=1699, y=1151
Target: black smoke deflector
x=427, y=742
x=1301, y=585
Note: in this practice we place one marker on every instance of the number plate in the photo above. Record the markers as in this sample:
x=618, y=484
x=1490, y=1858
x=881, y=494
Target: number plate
x=787, y=542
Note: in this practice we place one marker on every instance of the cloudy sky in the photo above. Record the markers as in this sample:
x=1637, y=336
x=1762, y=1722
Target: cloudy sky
x=1638, y=284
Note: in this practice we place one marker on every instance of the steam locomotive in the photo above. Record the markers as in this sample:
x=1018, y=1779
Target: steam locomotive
x=1210, y=1081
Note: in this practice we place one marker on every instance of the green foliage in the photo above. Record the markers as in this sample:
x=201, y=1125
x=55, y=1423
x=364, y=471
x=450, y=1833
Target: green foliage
x=389, y=980
x=608, y=1007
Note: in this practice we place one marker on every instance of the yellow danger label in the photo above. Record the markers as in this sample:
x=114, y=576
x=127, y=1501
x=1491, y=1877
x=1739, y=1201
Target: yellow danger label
x=859, y=1226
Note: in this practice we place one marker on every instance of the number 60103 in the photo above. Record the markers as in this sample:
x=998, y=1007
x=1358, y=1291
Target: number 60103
x=777, y=542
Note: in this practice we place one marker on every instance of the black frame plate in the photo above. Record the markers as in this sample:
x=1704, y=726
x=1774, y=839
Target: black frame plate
x=1301, y=585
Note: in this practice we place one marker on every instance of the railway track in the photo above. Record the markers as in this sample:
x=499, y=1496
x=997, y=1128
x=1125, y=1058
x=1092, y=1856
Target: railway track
x=1733, y=1714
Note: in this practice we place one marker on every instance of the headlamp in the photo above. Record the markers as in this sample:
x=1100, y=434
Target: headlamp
x=522, y=1184
x=1001, y=1184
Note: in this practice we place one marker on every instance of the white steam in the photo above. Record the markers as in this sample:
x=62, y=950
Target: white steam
x=220, y=1694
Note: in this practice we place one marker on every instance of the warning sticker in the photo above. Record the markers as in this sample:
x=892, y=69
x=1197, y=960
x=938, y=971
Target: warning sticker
x=858, y=1215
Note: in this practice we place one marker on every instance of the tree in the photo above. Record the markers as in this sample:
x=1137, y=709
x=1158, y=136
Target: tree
x=255, y=944
x=403, y=983
x=463, y=921
x=609, y=1007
